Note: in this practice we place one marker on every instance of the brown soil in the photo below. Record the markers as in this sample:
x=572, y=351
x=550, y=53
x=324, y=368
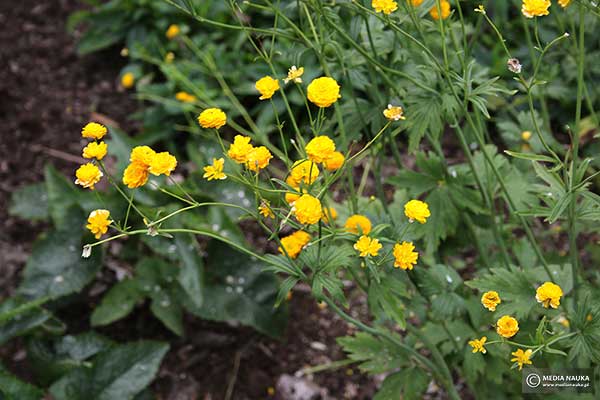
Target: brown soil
x=46, y=94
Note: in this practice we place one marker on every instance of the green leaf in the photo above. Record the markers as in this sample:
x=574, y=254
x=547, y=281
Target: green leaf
x=30, y=202
x=117, y=303
x=165, y=307
x=24, y=323
x=191, y=273
x=12, y=388
x=62, y=198
x=56, y=268
x=530, y=156
x=240, y=291
x=411, y=382
x=515, y=287
x=368, y=350
x=120, y=372
x=385, y=299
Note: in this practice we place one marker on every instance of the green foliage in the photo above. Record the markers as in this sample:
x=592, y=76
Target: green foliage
x=12, y=388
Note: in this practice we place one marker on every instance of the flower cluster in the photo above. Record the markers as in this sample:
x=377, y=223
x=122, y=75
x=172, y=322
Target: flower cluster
x=385, y=6
x=243, y=152
x=145, y=161
x=88, y=175
x=293, y=244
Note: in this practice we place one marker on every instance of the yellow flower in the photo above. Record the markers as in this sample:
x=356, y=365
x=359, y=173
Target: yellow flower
x=240, y=149
x=444, y=6
x=267, y=87
x=127, y=80
x=294, y=74
x=477, y=345
x=169, y=57
x=308, y=209
x=329, y=215
x=416, y=3
x=394, y=113
x=294, y=243
x=367, y=246
x=416, y=210
x=549, y=294
x=98, y=222
x=323, y=91
x=320, y=148
x=265, y=209
x=535, y=8
x=490, y=300
x=563, y=321
x=480, y=9
x=404, y=255
x=507, y=326
x=135, y=175
x=185, y=97
x=334, y=162
x=358, y=224
x=95, y=150
x=564, y=3
x=212, y=118
x=162, y=163
x=215, y=171
x=88, y=175
x=526, y=135
x=94, y=130
x=303, y=171
x=522, y=357
x=384, y=6
x=172, y=31
x=259, y=158
x=142, y=155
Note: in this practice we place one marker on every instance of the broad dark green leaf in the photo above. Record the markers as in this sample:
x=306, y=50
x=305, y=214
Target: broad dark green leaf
x=30, y=202
x=56, y=268
x=117, y=303
x=12, y=388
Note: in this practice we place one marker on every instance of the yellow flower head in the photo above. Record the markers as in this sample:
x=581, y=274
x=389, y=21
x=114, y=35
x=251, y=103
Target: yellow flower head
x=385, y=6
x=267, y=87
x=329, y=215
x=142, y=155
x=265, y=209
x=215, y=171
x=95, y=150
x=88, y=175
x=416, y=210
x=480, y=9
x=323, y=91
x=308, y=209
x=135, y=175
x=521, y=357
x=477, y=345
x=358, y=224
x=94, y=130
x=127, y=80
x=185, y=97
x=507, y=326
x=490, y=300
x=334, y=162
x=444, y=7
x=526, y=135
x=367, y=246
x=303, y=171
x=172, y=31
x=394, y=113
x=240, y=149
x=294, y=75
x=162, y=163
x=169, y=57
x=535, y=8
x=294, y=243
x=259, y=158
x=405, y=256
x=549, y=295
x=416, y=3
x=212, y=118
x=564, y=3
x=98, y=222
x=320, y=148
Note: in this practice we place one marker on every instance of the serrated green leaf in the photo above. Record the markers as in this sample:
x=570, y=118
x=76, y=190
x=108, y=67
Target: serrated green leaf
x=375, y=355
x=409, y=384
